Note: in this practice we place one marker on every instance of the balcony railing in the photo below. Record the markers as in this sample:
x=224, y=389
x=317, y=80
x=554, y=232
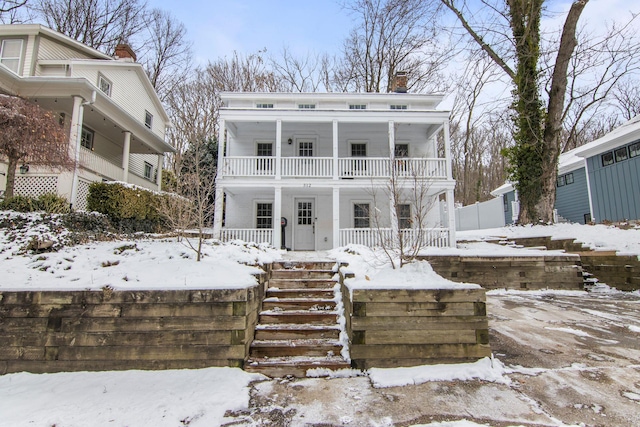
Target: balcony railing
x=372, y=237
x=100, y=165
x=322, y=167
x=255, y=235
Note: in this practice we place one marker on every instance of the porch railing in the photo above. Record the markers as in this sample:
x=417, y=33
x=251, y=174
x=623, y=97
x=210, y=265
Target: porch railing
x=322, y=167
x=255, y=235
x=372, y=237
x=100, y=165
x=313, y=167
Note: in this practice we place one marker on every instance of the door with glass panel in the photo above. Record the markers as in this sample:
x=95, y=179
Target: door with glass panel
x=304, y=225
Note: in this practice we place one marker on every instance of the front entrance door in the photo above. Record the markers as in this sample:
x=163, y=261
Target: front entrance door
x=304, y=226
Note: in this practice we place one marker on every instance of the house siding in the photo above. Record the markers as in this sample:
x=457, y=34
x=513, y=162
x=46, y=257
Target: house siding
x=615, y=189
x=572, y=200
x=127, y=90
x=50, y=49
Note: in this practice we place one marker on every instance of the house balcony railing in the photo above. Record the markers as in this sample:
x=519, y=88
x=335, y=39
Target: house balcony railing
x=372, y=237
x=101, y=165
x=323, y=167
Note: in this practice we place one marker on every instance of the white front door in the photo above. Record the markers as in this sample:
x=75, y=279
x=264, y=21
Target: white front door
x=304, y=226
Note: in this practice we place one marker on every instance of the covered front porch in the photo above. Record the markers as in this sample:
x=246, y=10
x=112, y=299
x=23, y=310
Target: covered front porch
x=312, y=219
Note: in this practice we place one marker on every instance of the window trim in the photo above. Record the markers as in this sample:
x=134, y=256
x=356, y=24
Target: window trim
x=148, y=166
x=353, y=213
x=101, y=79
x=568, y=178
x=636, y=149
x=19, y=57
x=306, y=141
x=255, y=213
x=87, y=131
x=395, y=150
x=148, y=119
x=264, y=142
x=364, y=143
x=560, y=181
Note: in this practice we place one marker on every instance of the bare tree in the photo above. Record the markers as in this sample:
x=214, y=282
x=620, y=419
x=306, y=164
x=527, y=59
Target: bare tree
x=392, y=36
x=242, y=73
x=627, y=98
x=166, y=52
x=31, y=135
x=100, y=24
x=311, y=73
x=534, y=157
x=9, y=11
x=193, y=108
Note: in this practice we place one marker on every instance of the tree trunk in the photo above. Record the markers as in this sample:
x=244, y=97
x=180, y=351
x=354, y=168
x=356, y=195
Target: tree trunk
x=11, y=177
x=553, y=123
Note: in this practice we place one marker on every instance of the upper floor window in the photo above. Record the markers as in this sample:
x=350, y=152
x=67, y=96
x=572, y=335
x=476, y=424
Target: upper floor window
x=401, y=150
x=148, y=170
x=305, y=149
x=306, y=106
x=634, y=150
x=621, y=154
x=398, y=107
x=86, y=138
x=148, y=119
x=264, y=105
x=565, y=179
x=10, y=54
x=264, y=149
x=357, y=106
x=560, y=181
x=607, y=158
x=104, y=85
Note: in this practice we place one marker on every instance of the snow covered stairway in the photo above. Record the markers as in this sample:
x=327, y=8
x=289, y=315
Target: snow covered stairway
x=298, y=328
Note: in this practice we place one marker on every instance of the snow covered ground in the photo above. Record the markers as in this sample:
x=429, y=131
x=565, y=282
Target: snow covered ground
x=491, y=389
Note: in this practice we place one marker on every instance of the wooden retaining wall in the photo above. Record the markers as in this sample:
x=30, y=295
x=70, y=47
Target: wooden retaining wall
x=119, y=330
x=391, y=328
x=563, y=271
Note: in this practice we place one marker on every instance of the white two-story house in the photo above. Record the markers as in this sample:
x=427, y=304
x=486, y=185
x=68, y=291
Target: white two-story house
x=323, y=163
x=115, y=120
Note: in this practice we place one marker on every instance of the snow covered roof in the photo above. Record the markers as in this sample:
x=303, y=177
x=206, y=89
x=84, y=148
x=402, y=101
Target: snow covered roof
x=623, y=134
x=505, y=188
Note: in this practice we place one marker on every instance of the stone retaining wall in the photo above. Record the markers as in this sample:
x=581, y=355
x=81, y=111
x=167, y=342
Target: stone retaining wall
x=563, y=271
x=118, y=330
x=392, y=328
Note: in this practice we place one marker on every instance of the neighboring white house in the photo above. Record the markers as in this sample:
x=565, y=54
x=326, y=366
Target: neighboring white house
x=115, y=120
x=324, y=162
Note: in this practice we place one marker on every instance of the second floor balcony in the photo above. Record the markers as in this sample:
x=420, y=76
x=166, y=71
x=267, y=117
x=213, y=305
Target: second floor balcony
x=331, y=168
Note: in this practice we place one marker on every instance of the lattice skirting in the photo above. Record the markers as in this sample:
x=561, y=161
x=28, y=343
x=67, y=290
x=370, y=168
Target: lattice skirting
x=83, y=193
x=34, y=186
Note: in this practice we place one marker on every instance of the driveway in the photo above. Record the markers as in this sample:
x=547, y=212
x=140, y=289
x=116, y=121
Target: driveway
x=575, y=358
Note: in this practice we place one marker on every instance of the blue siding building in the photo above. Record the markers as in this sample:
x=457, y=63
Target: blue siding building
x=599, y=181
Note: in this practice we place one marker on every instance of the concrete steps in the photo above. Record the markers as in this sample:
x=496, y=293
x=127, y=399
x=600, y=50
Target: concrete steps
x=298, y=326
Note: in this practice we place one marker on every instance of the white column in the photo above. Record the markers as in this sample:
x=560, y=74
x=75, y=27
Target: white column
x=393, y=198
x=278, y=150
x=392, y=138
x=75, y=138
x=447, y=150
x=335, y=154
x=222, y=136
x=451, y=216
x=218, y=212
x=159, y=177
x=277, y=214
x=336, y=217
x=125, y=156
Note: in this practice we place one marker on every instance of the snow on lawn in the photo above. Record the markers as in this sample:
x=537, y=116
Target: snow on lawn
x=598, y=237
x=131, y=398
x=373, y=270
x=142, y=263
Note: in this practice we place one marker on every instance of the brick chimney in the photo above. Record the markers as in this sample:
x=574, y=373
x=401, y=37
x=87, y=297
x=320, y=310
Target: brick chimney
x=399, y=84
x=123, y=51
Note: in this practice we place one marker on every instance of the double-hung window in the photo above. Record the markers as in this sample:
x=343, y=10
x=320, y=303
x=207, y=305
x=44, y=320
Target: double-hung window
x=11, y=53
x=264, y=215
x=148, y=119
x=86, y=138
x=148, y=170
x=105, y=86
x=404, y=216
x=264, y=149
x=361, y=215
